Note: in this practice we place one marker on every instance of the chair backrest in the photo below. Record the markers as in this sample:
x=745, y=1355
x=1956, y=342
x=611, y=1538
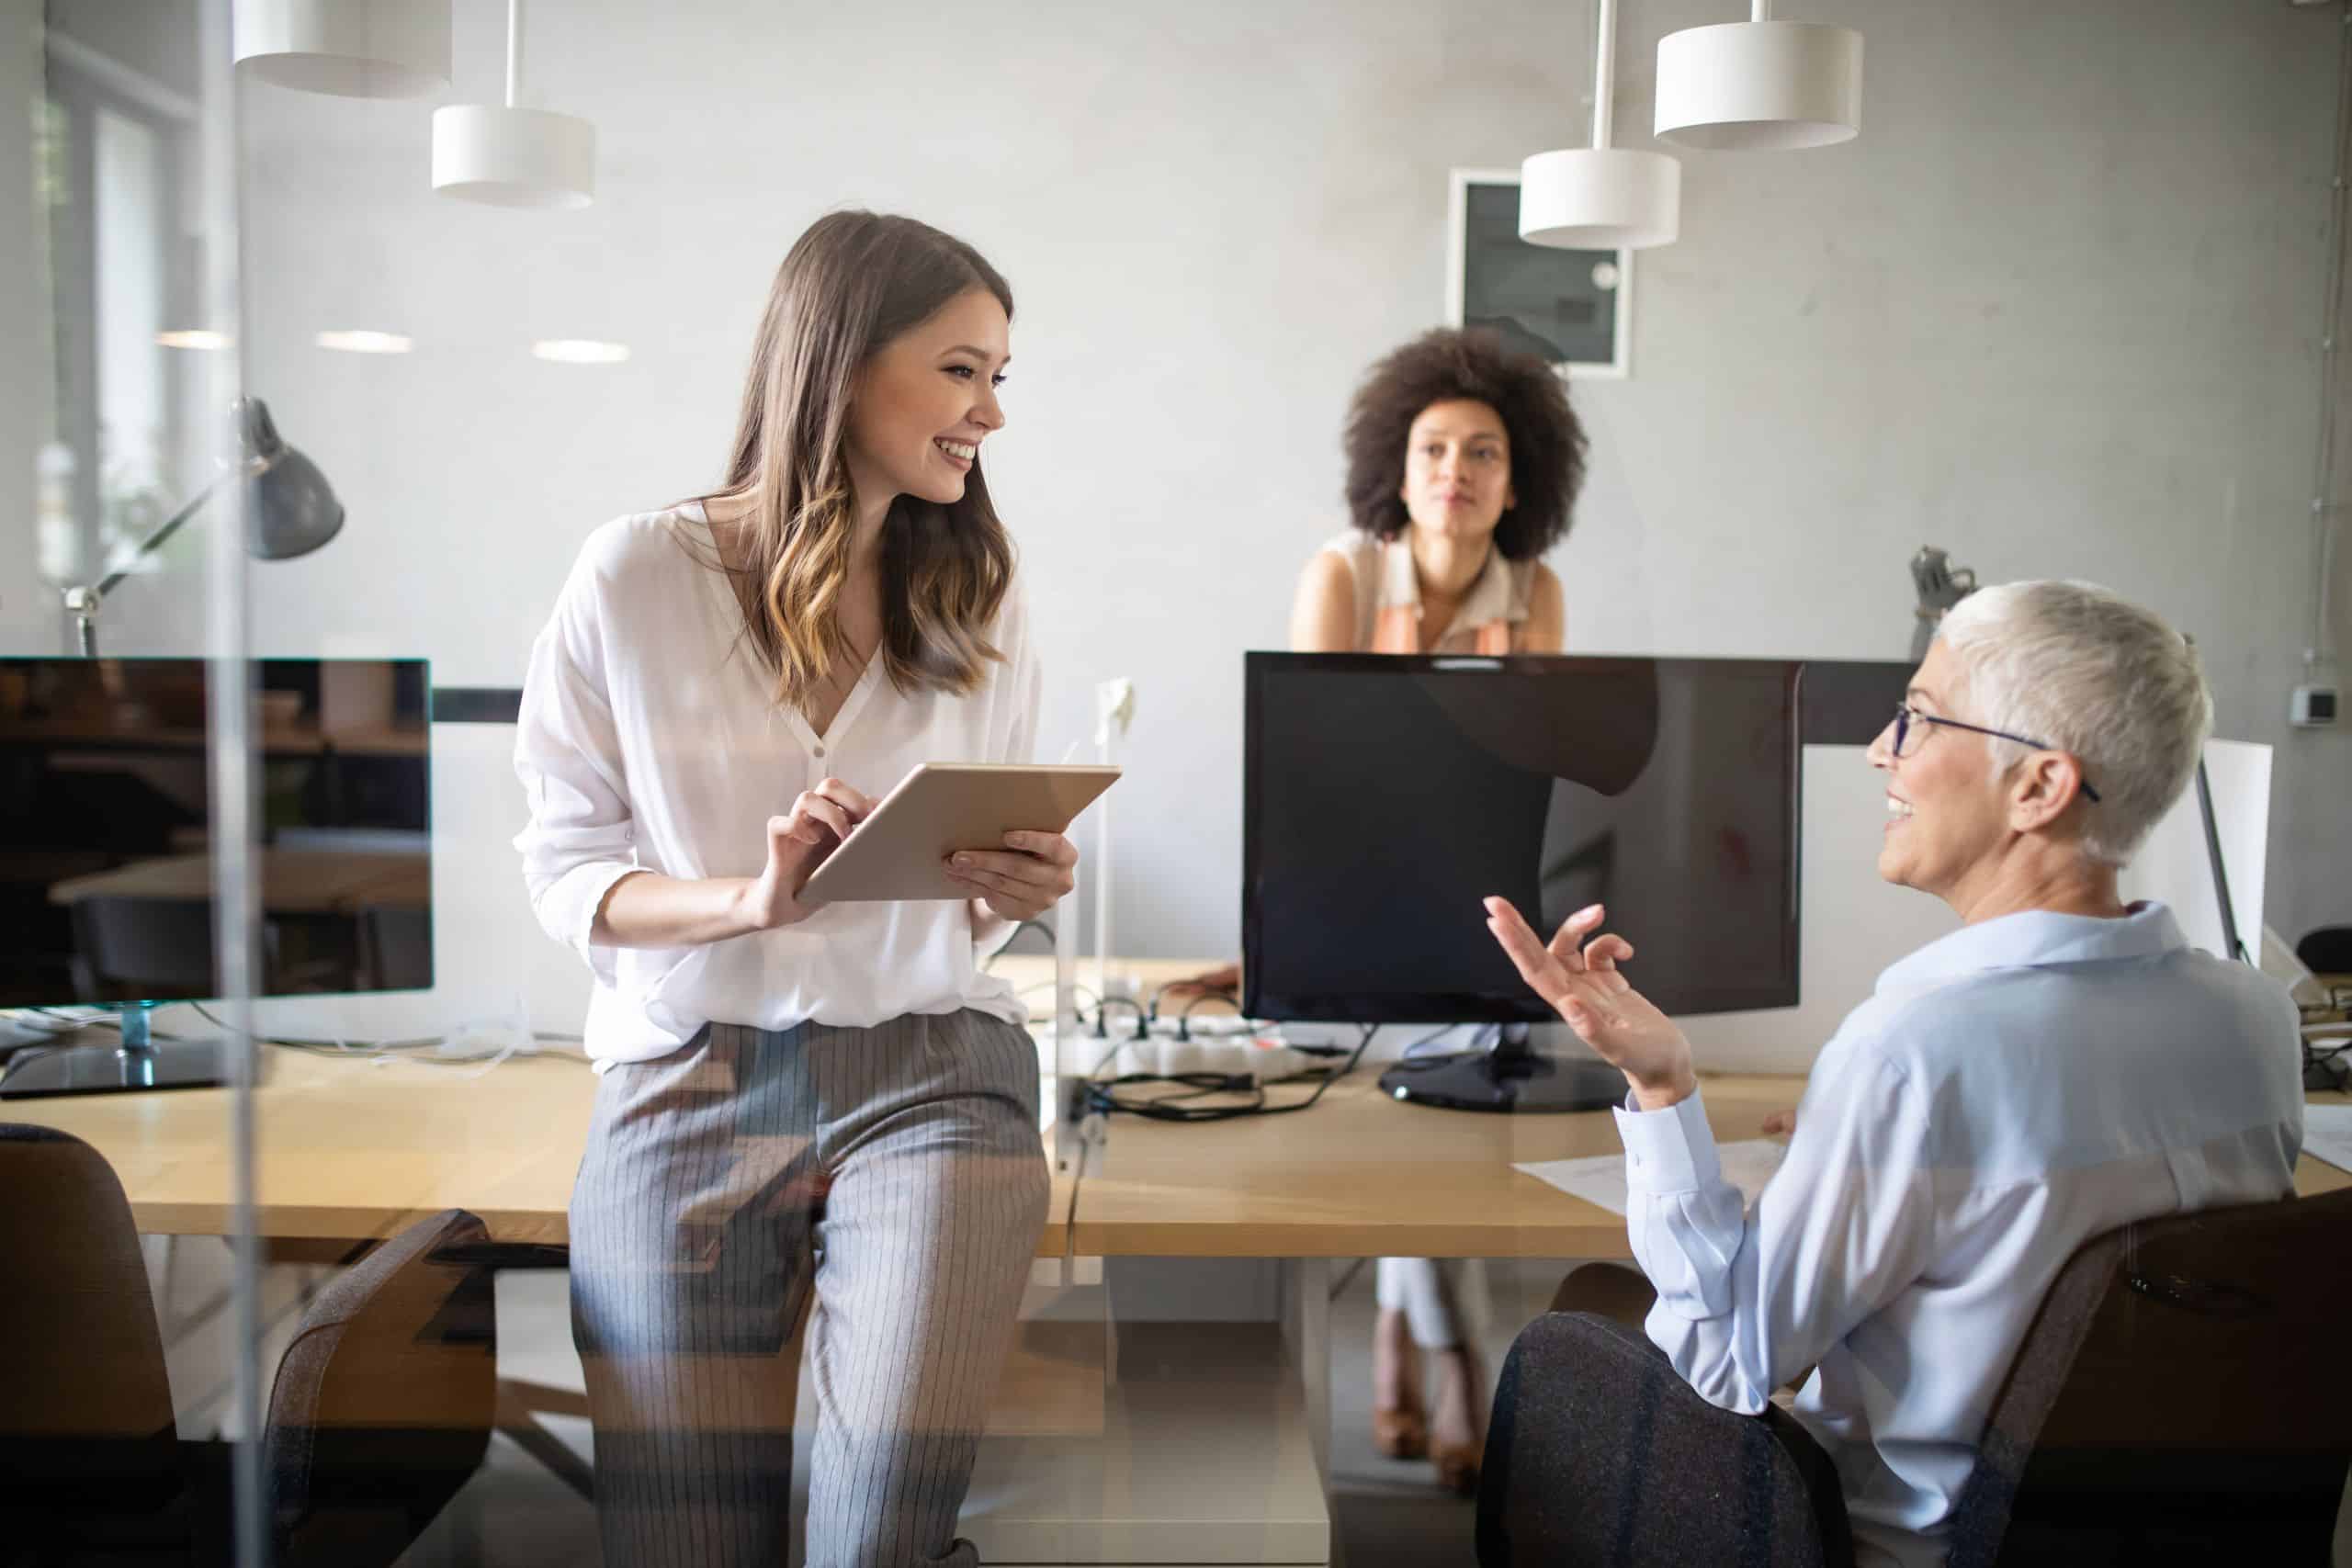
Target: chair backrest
x=2328, y=951
x=86, y=1404
x=396, y=948
x=2179, y=1371
x=142, y=947
x=384, y=1401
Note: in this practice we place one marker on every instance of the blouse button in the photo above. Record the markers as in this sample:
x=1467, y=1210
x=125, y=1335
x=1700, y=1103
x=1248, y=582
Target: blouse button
x=816, y=751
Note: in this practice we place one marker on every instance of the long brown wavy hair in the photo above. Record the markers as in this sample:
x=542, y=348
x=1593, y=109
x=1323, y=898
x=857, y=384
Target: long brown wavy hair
x=850, y=285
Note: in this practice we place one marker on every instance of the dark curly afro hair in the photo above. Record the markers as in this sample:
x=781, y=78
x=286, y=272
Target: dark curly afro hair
x=1547, y=445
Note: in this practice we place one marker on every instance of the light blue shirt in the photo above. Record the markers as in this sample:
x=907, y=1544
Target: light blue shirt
x=2006, y=1093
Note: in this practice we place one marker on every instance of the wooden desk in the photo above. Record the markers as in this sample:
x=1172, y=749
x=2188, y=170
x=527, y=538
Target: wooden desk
x=293, y=882
x=1362, y=1176
x=352, y=1149
x=360, y=1149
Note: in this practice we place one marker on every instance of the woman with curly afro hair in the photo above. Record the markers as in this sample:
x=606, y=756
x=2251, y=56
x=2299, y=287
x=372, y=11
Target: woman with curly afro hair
x=1464, y=461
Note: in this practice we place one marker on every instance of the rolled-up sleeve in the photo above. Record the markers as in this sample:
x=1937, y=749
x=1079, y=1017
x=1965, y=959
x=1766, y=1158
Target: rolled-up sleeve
x=1746, y=1301
x=581, y=838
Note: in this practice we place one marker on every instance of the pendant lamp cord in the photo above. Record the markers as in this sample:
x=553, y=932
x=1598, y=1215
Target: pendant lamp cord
x=514, y=53
x=2320, y=650
x=1604, y=76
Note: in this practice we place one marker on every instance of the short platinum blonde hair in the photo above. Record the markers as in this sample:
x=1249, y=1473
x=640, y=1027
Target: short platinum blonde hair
x=2090, y=673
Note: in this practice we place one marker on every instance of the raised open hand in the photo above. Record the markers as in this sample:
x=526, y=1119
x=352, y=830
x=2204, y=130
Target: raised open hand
x=1581, y=982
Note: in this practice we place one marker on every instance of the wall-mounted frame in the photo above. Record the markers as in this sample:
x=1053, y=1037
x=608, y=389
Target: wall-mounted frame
x=1576, y=307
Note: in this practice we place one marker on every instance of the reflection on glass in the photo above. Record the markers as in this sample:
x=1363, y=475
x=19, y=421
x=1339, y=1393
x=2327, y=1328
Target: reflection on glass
x=134, y=406
x=104, y=807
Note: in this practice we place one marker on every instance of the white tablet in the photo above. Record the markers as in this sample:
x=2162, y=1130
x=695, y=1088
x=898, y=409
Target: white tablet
x=900, y=850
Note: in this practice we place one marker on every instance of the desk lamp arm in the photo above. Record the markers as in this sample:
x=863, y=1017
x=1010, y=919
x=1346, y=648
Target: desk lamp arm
x=82, y=603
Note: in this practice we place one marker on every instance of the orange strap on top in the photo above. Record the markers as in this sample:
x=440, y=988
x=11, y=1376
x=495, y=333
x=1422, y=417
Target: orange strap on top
x=1397, y=630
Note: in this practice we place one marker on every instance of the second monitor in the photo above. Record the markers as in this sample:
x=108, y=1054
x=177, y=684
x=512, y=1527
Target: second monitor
x=1385, y=796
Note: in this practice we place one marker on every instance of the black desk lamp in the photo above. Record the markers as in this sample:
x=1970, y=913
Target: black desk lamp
x=1940, y=585
x=290, y=510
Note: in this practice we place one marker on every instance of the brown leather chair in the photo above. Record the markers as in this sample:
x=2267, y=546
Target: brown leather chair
x=85, y=1408
x=380, y=1410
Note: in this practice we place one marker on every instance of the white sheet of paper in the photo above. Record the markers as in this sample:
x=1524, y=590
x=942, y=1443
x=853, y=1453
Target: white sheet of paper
x=2327, y=1133
x=1600, y=1178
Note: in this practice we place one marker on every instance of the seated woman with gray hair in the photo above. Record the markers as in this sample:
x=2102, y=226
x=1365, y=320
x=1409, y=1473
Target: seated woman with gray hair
x=2061, y=1066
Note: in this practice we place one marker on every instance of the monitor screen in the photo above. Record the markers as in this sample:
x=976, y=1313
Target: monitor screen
x=105, y=859
x=1386, y=797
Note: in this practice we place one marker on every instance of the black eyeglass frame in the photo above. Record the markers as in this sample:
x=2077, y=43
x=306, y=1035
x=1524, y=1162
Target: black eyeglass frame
x=1905, y=712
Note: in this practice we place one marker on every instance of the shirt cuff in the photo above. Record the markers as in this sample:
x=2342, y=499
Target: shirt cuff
x=1671, y=1150
x=989, y=930
x=570, y=907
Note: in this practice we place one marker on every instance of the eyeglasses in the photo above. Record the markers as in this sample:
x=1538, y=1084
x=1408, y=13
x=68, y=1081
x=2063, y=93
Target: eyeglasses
x=1908, y=740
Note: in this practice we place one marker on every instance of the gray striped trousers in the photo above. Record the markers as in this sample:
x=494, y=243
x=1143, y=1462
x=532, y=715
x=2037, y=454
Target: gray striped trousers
x=894, y=1174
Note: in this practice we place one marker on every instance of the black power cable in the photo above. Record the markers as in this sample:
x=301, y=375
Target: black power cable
x=1102, y=1094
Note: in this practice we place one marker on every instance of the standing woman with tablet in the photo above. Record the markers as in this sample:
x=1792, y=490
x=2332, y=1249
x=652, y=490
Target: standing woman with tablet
x=1464, y=462
x=795, y=1105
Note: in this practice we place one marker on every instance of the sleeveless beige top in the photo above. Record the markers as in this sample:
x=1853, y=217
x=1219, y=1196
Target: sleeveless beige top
x=1388, y=599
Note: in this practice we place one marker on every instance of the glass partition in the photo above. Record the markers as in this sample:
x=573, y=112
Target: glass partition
x=139, y=904
x=435, y=646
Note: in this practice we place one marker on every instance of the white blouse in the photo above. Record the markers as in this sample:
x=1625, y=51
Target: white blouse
x=649, y=739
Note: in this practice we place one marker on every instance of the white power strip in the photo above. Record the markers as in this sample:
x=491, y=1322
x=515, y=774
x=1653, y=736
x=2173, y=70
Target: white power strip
x=1263, y=1058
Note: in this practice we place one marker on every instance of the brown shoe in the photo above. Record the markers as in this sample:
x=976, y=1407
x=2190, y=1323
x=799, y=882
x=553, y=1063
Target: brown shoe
x=1400, y=1434
x=1457, y=1468
x=1401, y=1429
x=1461, y=1390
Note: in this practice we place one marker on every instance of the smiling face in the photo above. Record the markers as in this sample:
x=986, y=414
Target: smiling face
x=1457, y=470
x=925, y=402
x=1948, y=809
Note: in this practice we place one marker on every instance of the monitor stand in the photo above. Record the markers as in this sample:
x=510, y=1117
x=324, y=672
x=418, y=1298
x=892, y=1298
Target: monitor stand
x=1510, y=1077
x=139, y=1062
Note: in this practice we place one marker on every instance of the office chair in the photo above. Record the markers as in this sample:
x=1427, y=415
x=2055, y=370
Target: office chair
x=2181, y=1397
x=2328, y=951
x=136, y=949
x=395, y=948
x=380, y=1409
x=85, y=1408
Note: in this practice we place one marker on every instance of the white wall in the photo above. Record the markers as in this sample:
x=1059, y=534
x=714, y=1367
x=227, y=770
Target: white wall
x=2054, y=310
x=27, y=395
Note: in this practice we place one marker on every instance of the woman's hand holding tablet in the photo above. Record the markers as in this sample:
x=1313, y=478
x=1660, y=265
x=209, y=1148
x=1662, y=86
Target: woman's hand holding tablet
x=991, y=831
x=797, y=844
x=1025, y=879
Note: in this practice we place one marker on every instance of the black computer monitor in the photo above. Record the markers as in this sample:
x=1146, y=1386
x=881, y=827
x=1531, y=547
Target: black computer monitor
x=1385, y=796
x=106, y=863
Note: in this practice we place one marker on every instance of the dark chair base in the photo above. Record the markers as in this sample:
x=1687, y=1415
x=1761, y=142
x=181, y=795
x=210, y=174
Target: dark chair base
x=1598, y=1452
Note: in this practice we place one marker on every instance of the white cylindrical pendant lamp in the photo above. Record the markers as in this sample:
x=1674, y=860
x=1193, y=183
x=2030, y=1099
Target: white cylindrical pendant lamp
x=354, y=48
x=1599, y=198
x=513, y=157
x=1769, y=85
